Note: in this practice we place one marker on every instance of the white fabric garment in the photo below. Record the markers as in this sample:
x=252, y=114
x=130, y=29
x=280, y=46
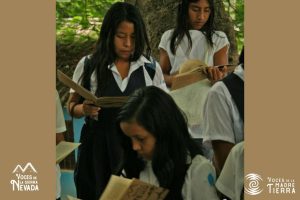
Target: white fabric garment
x=231, y=179
x=221, y=120
x=60, y=127
x=147, y=175
x=158, y=79
x=60, y=120
x=200, y=48
x=191, y=100
x=199, y=180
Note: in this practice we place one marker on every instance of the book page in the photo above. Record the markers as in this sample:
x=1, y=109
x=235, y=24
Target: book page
x=107, y=102
x=193, y=109
x=115, y=188
x=72, y=198
x=78, y=88
x=140, y=190
x=194, y=75
x=182, y=80
x=63, y=149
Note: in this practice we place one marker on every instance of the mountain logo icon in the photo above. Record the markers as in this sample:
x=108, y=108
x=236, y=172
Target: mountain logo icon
x=28, y=168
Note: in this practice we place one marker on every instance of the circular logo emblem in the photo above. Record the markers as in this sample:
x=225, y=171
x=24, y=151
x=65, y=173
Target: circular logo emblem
x=252, y=184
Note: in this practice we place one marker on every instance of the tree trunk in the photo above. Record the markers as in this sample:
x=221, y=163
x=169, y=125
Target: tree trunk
x=160, y=15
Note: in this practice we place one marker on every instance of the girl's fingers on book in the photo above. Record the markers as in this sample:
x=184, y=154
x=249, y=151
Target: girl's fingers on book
x=87, y=102
x=89, y=109
x=215, y=73
x=90, y=103
x=224, y=69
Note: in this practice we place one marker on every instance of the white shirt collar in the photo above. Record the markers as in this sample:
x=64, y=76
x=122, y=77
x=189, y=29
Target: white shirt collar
x=134, y=64
x=122, y=83
x=239, y=71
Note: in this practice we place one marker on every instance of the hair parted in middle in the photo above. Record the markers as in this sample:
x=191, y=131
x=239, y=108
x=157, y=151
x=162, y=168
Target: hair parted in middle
x=183, y=26
x=156, y=111
x=104, y=53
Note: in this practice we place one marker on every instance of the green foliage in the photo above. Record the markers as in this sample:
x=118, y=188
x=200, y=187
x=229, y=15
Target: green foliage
x=235, y=9
x=84, y=8
x=80, y=20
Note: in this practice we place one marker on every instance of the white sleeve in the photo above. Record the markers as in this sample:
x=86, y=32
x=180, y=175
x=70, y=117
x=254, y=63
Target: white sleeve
x=158, y=79
x=164, y=40
x=60, y=120
x=231, y=179
x=226, y=181
x=78, y=72
x=217, y=118
x=200, y=181
x=220, y=40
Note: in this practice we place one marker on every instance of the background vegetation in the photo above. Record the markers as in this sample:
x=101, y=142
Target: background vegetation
x=235, y=9
x=80, y=20
x=78, y=24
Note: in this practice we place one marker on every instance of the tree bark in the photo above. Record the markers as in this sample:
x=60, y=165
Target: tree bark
x=160, y=15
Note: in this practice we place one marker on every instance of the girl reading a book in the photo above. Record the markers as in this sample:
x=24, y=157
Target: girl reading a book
x=117, y=67
x=223, y=115
x=159, y=149
x=194, y=37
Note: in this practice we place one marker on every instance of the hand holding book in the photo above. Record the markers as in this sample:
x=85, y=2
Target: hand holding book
x=90, y=109
x=104, y=102
x=216, y=73
x=192, y=71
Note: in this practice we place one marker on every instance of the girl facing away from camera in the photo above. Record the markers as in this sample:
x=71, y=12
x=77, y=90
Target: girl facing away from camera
x=159, y=148
x=117, y=67
x=194, y=37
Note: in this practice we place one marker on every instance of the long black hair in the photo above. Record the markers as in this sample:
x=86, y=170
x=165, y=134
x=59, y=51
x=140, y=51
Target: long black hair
x=104, y=54
x=156, y=112
x=183, y=25
x=241, y=58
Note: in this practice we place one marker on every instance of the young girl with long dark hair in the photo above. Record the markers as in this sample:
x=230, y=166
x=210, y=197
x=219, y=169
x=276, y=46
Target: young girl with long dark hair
x=194, y=37
x=120, y=64
x=159, y=148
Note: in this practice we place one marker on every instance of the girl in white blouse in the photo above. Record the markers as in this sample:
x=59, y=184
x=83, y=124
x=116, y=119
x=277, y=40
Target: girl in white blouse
x=194, y=37
x=159, y=149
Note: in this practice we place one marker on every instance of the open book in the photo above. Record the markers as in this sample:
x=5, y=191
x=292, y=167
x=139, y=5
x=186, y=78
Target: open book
x=101, y=101
x=63, y=149
x=197, y=74
x=71, y=198
x=193, y=109
x=120, y=188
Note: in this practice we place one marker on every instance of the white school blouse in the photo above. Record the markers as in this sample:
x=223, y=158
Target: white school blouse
x=158, y=79
x=221, y=118
x=231, y=179
x=200, y=48
x=199, y=181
